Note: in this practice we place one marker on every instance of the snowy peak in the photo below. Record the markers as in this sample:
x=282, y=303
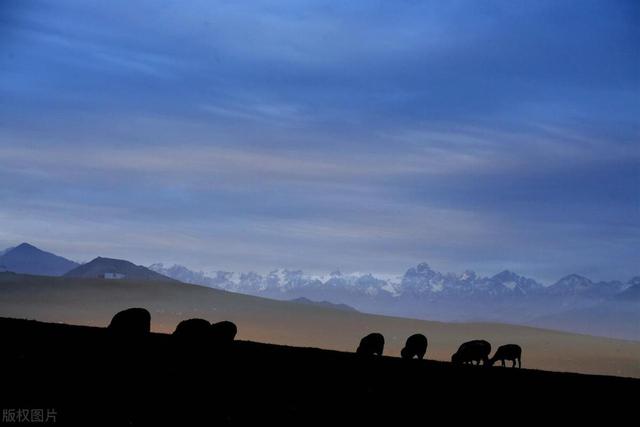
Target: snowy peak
x=283, y=280
x=179, y=272
x=506, y=276
x=571, y=284
x=574, y=281
x=423, y=269
x=512, y=282
x=631, y=294
x=336, y=273
x=422, y=280
x=575, y=284
x=419, y=282
x=634, y=281
x=468, y=276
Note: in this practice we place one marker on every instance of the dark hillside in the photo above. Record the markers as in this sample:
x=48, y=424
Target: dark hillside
x=28, y=259
x=90, y=378
x=100, y=266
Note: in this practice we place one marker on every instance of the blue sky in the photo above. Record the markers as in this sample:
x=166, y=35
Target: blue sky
x=366, y=136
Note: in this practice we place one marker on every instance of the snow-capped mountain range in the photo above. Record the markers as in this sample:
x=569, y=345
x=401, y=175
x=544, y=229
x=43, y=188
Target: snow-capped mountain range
x=418, y=282
x=573, y=303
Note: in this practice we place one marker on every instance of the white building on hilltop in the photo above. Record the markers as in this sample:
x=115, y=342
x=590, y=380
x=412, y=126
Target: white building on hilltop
x=113, y=276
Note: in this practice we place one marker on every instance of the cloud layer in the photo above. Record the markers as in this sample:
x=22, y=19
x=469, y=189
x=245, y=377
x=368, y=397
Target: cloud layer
x=367, y=136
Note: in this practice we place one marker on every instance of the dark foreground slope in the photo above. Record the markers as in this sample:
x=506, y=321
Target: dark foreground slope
x=92, y=378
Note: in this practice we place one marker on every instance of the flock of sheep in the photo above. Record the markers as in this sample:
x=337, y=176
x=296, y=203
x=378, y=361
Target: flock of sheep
x=471, y=352
x=137, y=321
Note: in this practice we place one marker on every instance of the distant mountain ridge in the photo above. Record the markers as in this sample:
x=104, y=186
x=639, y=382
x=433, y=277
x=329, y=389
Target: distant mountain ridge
x=118, y=268
x=424, y=293
x=4, y=251
x=324, y=304
x=28, y=259
x=632, y=293
x=573, y=302
x=420, y=281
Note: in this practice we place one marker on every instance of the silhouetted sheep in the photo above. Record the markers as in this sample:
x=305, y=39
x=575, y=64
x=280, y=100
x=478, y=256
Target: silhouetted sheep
x=371, y=344
x=416, y=346
x=511, y=352
x=472, y=351
x=131, y=322
x=193, y=329
x=223, y=332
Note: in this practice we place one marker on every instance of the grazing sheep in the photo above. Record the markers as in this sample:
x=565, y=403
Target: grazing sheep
x=193, y=329
x=372, y=344
x=472, y=351
x=511, y=352
x=416, y=346
x=223, y=332
x=131, y=322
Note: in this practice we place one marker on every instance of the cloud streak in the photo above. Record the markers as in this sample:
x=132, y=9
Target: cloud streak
x=367, y=136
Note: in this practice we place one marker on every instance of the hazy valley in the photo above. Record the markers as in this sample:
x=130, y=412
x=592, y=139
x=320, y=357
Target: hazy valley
x=94, y=301
x=573, y=303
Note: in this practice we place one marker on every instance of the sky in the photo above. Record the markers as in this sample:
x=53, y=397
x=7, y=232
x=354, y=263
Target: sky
x=319, y=135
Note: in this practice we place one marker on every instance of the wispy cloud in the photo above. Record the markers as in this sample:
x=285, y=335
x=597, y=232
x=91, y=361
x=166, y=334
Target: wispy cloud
x=367, y=136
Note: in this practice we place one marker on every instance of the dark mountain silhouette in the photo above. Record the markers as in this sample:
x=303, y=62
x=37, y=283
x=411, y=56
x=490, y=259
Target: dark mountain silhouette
x=27, y=259
x=325, y=304
x=117, y=268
